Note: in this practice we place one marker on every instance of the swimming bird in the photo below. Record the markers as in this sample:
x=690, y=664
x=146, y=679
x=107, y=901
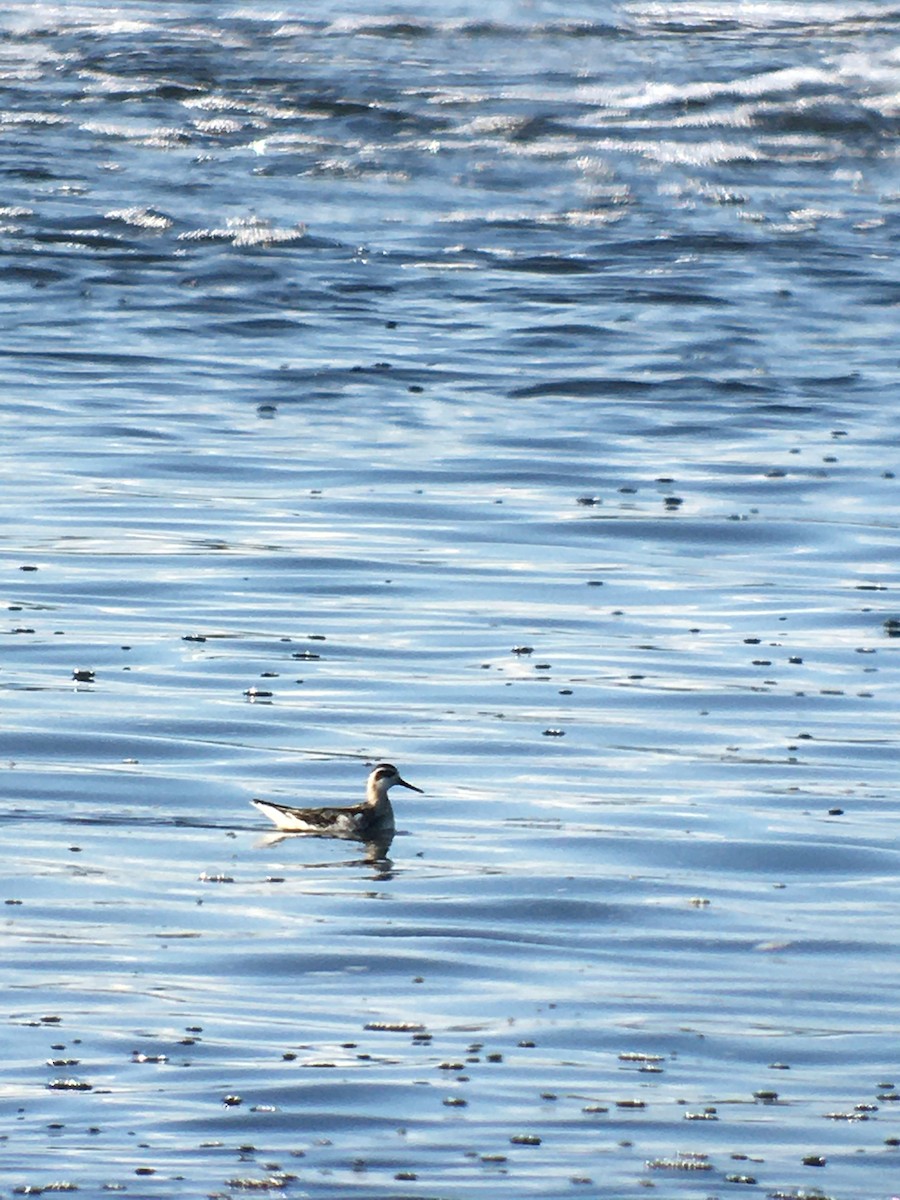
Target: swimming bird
x=374, y=817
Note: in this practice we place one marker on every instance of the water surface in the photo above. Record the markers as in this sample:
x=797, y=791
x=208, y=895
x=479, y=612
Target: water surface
x=506, y=395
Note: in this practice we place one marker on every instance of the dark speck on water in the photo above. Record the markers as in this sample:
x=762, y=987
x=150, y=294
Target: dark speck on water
x=541, y=359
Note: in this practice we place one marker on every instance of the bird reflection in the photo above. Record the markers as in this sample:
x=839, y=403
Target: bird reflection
x=375, y=853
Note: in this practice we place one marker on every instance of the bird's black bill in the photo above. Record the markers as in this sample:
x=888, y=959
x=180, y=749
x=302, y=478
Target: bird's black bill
x=403, y=783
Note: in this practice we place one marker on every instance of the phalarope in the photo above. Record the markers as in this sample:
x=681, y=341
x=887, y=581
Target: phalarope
x=373, y=816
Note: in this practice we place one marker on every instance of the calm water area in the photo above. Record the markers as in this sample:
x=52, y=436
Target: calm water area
x=508, y=392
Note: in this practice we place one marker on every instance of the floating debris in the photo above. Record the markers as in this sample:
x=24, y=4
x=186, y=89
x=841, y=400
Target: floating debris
x=525, y=1139
x=684, y=1162
x=29, y=1189
x=269, y=1183
x=83, y=675
x=394, y=1027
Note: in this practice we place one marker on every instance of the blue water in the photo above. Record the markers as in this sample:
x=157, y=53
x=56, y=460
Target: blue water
x=507, y=393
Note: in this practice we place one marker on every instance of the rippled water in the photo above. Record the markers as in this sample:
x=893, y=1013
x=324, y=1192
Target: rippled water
x=507, y=393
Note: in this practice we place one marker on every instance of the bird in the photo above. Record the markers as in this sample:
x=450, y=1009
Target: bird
x=373, y=818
